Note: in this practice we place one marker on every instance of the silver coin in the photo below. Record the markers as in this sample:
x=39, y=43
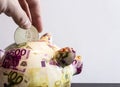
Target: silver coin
x=26, y=35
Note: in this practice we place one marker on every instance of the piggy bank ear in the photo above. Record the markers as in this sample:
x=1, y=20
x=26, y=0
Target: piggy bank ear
x=46, y=37
x=65, y=56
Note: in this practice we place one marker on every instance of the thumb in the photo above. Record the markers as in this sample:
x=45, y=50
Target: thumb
x=17, y=13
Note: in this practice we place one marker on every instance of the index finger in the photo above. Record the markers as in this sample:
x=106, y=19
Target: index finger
x=34, y=7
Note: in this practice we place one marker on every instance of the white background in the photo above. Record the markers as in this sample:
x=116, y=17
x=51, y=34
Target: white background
x=92, y=27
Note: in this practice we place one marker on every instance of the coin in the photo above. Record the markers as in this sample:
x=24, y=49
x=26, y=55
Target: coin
x=26, y=35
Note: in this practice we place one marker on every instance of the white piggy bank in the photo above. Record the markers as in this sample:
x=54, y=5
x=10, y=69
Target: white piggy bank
x=38, y=64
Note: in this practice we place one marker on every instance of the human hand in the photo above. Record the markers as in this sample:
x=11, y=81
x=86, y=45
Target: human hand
x=23, y=12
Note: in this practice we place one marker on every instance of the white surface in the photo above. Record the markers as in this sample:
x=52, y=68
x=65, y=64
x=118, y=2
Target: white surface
x=92, y=27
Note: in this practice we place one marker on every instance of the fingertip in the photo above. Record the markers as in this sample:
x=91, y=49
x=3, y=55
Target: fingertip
x=39, y=29
x=26, y=24
x=37, y=23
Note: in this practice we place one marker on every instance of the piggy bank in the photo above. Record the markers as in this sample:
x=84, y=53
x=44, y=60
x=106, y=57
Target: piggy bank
x=38, y=64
